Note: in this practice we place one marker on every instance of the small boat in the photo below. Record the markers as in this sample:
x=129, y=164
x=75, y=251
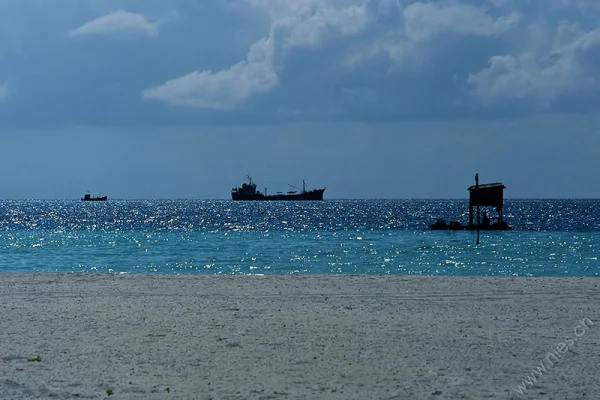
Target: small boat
x=442, y=225
x=89, y=197
x=486, y=195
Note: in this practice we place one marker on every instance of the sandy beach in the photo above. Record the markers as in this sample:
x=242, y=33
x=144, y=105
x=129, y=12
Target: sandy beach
x=67, y=336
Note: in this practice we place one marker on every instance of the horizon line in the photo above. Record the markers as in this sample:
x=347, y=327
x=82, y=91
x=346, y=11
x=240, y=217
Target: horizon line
x=208, y=198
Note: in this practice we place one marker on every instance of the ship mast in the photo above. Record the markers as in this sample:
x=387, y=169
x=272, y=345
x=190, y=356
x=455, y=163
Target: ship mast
x=296, y=187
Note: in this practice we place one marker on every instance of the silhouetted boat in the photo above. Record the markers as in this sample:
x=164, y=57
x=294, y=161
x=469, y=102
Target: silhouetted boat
x=248, y=192
x=486, y=195
x=89, y=197
x=442, y=225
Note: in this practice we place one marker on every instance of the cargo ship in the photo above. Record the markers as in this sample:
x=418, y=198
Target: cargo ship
x=248, y=192
x=89, y=197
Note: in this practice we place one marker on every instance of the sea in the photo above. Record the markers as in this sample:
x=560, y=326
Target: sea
x=224, y=237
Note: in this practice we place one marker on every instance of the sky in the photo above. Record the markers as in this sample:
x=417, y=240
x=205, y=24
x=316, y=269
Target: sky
x=369, y=98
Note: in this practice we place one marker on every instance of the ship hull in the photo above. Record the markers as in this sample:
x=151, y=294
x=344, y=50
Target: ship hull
x=105, y=198
x=314, y=195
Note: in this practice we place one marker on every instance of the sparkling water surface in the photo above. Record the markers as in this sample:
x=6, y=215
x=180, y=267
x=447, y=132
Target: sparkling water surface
x=550, y=237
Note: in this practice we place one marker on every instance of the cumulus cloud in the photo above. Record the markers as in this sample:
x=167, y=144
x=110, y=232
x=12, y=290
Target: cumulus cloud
x=404, y=32
x=569, y=65
x=438, y=48
x=412, y=33
x=222, y=89
x=3, y=91
x=117, y=23
x=265, y=60
x=424, y=20
x=303, y=25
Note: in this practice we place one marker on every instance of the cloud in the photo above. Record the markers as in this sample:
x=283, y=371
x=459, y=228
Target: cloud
x=119, y=22
x=280, y=60
x=223, y=89
x=304, y=25
x=406, y=34
x=3, y=91
x=569, y=65
x=413, y=35
x=422, y=21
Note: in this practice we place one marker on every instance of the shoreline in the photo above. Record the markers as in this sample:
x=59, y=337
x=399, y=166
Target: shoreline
x=139, y=336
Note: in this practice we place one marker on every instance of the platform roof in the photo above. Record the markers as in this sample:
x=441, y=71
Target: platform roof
x=496, y=185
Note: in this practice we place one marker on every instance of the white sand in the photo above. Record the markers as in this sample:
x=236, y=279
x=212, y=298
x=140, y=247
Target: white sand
x=295, y=337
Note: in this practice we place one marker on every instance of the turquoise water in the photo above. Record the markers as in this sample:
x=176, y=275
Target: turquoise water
x=551, y=238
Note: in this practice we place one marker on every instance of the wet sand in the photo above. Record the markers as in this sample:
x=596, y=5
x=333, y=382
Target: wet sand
x=67, y=336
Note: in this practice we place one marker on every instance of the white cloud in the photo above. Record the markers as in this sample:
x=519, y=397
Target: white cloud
x=223, y=89
x=305, y=25
x=3, y=91
x=424, y=20
x=541, y=77
x=414, y=39
x=523, y=76
x=308, y=28
x=371, y=59
x=119, y=22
